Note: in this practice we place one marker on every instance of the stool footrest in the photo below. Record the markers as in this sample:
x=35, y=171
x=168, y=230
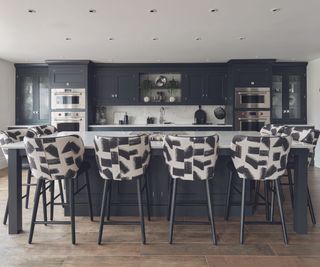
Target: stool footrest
x=261, y=222
x=191, y=222
x=52, y=222
x=121, y=223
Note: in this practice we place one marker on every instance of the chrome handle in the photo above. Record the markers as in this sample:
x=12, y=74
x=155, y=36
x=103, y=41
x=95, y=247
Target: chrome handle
x=67, y=94
x=252, y=93
x=112, y=96
x=252, y=83
x=115, y=95
x=67, y=83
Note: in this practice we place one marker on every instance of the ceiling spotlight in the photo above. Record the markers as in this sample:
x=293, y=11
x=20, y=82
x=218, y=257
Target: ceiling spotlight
x=275, y=10
x=92, y=11
x=32, y=11
x=214, y=10
x=155, y=38
x=68, y=39
x=241, y=38
x=153, y=11
x=110, y=38
x=198, y=38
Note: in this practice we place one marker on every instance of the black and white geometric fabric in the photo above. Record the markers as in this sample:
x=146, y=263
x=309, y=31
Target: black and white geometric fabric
x=122, y=158
x=191, y=158
x=305, y=135
x=260, y=157
x=54, y=158
x=11, y=136
x=272, y=129
x=41, y=130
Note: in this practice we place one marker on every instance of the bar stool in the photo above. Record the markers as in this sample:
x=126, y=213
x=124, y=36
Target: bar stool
x=13, y=136
x=273, y=129
x=307, y=136
x=41, y=131
x=190, y=159
x=122, y=159
x=261, y=159
x=56, y=158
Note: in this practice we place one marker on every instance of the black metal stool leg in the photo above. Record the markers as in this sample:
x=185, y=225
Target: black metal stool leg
x=140, y=204
x=213, y=229
x=284, y=228
x=28, y=188
x=146, y=177
x=170, y=198
x=89, y=196
x=109, y=195
x=44, y=202
x=243, y=204
x=290, y=182
x=35, y=208
x=51, y=199
x=72, y=216
x=172, y=209
x=256, y=194
x=273, y=189
x=6, y=213
x=61, y=192
x=313, y=217
x=103, y=210
x=266, y=196
x=228, y=200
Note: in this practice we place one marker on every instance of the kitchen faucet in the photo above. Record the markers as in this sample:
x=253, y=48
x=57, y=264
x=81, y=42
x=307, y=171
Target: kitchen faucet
x=161, y=117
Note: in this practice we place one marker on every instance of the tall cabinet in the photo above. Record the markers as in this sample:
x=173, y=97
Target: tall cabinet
x=289, y=93
x=32, y=95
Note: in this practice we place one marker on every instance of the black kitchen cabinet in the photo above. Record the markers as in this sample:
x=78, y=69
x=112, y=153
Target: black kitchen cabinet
x=114, y=87
x=32, y=95
x=68, y=76
x=217, y=88
x=252, y=75
x=288, y=92
x=194, y=87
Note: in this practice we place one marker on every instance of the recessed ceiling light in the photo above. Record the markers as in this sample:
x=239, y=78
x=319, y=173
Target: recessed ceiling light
x=214, y=10
x=110, y=38
x=241, y=38
x=68, y=38
x=153, y=11
x=275, y=10
x=155, y=38
x=92, y=11
x=32, y=11
x=198, y=38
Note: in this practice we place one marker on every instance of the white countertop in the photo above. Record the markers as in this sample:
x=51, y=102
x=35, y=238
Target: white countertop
x=225, y=137
x=159, y=125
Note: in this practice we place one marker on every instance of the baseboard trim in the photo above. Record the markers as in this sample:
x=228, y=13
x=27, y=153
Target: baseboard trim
x=3, y=163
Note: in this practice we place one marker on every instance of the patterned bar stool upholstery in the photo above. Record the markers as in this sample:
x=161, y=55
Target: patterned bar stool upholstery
x=13, y=136
x=272, y=129
x=190, y=159
x=308, y=136
x=41, y=131
x=56, y=158
x=122, y=159
x=261, y=158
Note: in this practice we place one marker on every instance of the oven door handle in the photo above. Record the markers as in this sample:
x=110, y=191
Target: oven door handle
x=67, y=94
x=253, y=93
x=68, y=120
x=252, y=119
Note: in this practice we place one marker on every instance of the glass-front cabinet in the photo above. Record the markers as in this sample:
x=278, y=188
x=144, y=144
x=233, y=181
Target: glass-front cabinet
x=288, y=94
x=32, y=96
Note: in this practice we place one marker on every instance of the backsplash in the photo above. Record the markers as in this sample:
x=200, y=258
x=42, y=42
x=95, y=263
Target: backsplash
x=173, y=114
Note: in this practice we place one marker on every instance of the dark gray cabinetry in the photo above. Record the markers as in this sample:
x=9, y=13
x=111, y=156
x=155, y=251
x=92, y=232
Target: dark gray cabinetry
x=252, y=75
x=289, y=93
x=32, y=95
x=68, y=76
x=114, y=87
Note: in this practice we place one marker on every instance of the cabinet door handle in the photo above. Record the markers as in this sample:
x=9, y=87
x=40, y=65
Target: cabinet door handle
x=115, y=95
x=67, y=84
x=112, y=96
x=252, y=83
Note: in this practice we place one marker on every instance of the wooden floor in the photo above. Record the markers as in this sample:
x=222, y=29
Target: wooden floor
x=192, y=245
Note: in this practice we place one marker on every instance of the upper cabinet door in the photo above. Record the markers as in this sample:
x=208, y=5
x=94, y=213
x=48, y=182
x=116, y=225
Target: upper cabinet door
x=195, y=86
x=216, y=89
x=68, y=76
x=105, y=87
x=252, y=75
x=277, y=96
x=127, y=87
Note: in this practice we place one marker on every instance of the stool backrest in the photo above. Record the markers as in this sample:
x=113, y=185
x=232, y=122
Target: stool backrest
x=305, y=135
x=11, y=136
x=54, y=158
x=272, y=129
x=122, y=158
x=41, y=130
x=260, y=157
x=191, y=158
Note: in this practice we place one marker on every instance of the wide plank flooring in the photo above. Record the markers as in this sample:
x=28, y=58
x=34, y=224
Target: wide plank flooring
x=192, y=244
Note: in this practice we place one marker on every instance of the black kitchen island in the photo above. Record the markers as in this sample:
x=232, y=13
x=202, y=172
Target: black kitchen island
x=192, y=193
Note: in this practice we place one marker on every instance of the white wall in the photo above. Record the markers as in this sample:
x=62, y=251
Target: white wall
x=7, y=99
x=313, y=97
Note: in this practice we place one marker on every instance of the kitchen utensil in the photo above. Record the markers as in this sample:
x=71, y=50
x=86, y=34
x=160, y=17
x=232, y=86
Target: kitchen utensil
x=219, y=113
x=172, y=99
x=161, y=81
x=146, y=99
x=200, y=116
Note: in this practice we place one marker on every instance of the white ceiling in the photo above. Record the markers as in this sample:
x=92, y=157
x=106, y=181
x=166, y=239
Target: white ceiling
x=291, y=34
